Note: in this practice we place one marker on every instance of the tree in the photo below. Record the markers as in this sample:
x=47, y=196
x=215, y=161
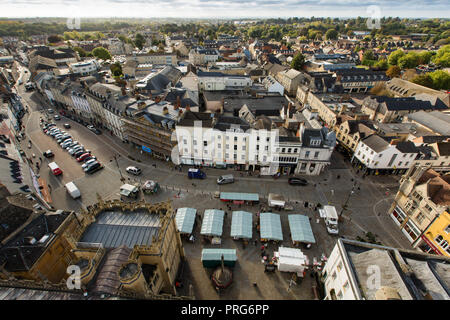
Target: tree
x=81, y=52
x=381, y=64
x=409, y=61
x=139, y=41
x=54, y=38
x=298, y=62
x=101, y=53
x=423, y=80
x=442, y=56
x=441, y=80
x=331, y=34
x=393, y=72
x=394, y=56
x=116, y=69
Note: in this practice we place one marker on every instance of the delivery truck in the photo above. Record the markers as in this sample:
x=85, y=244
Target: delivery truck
x=196, y=174
x=73, y=190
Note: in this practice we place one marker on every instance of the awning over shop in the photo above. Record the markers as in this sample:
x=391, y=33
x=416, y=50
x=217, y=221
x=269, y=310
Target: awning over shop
x=241, y=225
x=237, y=196
x=301, y=228
x=212, y=224
x=270, y=226
x=185, y=219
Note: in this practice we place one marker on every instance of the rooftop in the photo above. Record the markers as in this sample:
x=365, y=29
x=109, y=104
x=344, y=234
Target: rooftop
x=115, y=228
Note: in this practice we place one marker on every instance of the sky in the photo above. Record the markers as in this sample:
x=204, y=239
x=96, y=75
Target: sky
x=224, y=8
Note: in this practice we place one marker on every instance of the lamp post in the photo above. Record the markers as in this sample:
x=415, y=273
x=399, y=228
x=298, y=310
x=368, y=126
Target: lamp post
x=344, y=206
x=118, y=168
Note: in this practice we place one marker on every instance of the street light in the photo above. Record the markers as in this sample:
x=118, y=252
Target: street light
x=344, y=206
x=118, y=168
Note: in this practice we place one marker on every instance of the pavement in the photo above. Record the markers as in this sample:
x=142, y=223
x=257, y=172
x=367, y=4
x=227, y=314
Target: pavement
x=367, y=208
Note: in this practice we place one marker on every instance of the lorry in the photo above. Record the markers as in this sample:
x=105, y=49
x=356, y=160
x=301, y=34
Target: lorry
x=129, y=191
x=331, y=218
x=55, y=168
x=72, y=190
x=196, y=174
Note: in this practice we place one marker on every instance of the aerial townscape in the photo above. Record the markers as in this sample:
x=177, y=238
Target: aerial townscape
x=225, y=159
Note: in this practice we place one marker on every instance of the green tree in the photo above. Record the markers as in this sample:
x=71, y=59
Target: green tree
x=394, y=56
x=116, y=69
x=393, y=72
x=101, y=53
x=423, y=80
x=381, y=64
x=139, y=41
x=298, y=62
x=331, y=34
x=81, y=52
x=442, y=56
x=54, y=38
x=441, y=80
x=409, y=61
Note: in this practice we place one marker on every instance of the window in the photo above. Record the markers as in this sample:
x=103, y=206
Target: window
x=266, y=148
x=243, y=148
x=267, y=139
x=257, y=138
x=307, y=154
x=243, y=157
x=289, y=150
x=228, y=137
x=195, y=142
x=257, y=147
x=420, y=217
x=184, y=141
x=339, y=295
x=380, y=155
x=316, y=154
x=235, y=138
x=295, y=150
x=339, y=266
x=205, y=143
x=400, y=163
x=334, y=275
x=219, y=145
x=283, y=150
x=227, y=155
x=235, y=156
x=346, y=286
x=244, y=139
x=227, y=146
x=406, y=163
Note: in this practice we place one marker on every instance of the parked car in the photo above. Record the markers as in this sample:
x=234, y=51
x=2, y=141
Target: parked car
x=94, y=168
x=79, y=154
x=66, y=143
x=63, y=138
x=134, y=170
x=48, y=154
x=297, y=181
x=57, y=117
x=67, y=125
x=50, y=111
x=75, y=149
x=88, y=163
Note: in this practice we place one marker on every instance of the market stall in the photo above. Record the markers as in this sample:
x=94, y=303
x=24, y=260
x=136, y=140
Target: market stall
x=212, y=225
x=239, y=198
x=270, y=227
x=301, y=231
x=212, y=257
x=241, y=225
x=185, y=220
x=291, y=260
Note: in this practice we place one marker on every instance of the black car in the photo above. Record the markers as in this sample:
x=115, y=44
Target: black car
x=97, y=131
x=48, y=154
x=297, y=182
x=94, y=168
x=67, y=125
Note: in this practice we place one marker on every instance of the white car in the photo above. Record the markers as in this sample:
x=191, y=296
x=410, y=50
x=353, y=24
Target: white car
x=134, y=170
x=88, y=163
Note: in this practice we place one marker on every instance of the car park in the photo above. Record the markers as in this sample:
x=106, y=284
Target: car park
x=133, y=170
x=297, y=181
x=48, y=154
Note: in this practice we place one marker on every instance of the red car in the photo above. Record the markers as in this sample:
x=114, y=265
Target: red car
x=83, y=156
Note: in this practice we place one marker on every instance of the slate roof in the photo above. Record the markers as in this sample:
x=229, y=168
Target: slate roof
x=408, y=103
x=190, y=117
x=406, y=147
x=376, y=143
x=434, y=120
x=444, y=148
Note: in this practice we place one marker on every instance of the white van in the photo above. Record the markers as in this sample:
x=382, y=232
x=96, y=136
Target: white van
x=228, y=178
x=331, y=219
x=72, y=190
x=134, y=170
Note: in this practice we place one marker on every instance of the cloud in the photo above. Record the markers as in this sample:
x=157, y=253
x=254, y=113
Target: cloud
x=220, y=8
